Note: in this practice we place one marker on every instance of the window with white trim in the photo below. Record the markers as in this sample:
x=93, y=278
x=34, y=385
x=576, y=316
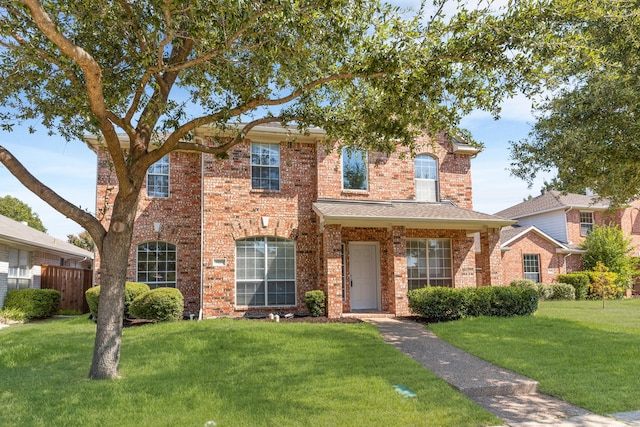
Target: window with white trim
x=265, y=166
x=354, y=169
x=156, y=265
x=19, y=276
x=158, y=178
x=426, y=178
x=429, y=263
x=265, y=272
x=532, y=267
x=586, y=222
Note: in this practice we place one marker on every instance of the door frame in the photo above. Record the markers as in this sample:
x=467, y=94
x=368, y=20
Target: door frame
x=377, y=286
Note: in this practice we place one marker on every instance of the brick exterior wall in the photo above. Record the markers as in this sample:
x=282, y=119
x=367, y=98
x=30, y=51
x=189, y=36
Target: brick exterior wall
x=212, y=205
x=551, y=263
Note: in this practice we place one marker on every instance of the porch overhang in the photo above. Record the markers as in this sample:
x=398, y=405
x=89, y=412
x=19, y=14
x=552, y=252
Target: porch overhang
x=409, y=214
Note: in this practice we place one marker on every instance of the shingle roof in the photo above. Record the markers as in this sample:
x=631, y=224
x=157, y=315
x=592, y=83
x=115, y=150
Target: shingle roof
x=511, y=233
x=407, y=213
x=553, y=200
x=14, y=231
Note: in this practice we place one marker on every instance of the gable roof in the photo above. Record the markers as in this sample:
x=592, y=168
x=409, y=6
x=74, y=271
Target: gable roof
x=18, y=233
x=512, y=233
x=410, y=214
x=554, y=200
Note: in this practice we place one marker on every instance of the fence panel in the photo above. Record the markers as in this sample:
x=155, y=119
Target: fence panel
x=71, y=283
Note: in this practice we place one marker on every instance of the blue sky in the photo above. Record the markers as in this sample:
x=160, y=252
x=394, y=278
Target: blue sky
x=69, y=168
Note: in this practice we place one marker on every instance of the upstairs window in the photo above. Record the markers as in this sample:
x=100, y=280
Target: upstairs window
x=265, y=166
x=586, y=223
x=19, y=276
x=532, y=267
x=158, y=178
x=157, y=264
x=426, y=176
x=354, y=169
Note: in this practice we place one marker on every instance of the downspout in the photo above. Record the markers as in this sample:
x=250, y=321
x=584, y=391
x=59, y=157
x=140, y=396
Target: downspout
x=202, y=263
x=564, y=261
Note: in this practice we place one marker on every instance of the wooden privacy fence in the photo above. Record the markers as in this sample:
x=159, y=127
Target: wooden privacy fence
x=71, y=283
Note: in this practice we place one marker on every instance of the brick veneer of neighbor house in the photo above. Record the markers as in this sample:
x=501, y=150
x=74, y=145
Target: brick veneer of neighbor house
x=551, y=261
x=212, y=205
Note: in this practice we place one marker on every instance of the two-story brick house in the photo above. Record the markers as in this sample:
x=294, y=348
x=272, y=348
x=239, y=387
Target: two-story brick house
x=550, y=230
x=287, y=213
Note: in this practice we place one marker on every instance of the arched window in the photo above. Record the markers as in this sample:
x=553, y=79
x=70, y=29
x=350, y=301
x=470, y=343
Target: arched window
x=426, y=175
x=157, y=264
x=265, y=272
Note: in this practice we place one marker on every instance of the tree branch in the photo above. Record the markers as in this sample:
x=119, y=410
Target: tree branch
x=85, y=219
x=93, y=75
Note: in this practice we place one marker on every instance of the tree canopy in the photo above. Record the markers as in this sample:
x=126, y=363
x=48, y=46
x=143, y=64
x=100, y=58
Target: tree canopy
x=587, y=128
x=19, y=211
x=147, y=74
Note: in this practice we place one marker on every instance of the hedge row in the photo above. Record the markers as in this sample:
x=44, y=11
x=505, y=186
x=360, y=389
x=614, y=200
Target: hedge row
x=161, y=304
x=32, y=303
x=440, y=304
x=554, y=291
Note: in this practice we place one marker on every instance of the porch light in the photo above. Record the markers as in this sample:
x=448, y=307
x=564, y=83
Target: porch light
x=265, y=221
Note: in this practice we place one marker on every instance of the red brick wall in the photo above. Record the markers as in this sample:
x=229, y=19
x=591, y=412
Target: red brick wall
x=551, y=263
x=179, y=216
x=391, y=177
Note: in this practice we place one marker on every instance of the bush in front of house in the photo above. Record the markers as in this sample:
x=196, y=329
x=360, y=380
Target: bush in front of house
x=440, y=304
x=161, y=304
x=543, y=290
x=131, y=291
x=315, y=302
x=561, y=291
x=33, y=303
x=579, y=280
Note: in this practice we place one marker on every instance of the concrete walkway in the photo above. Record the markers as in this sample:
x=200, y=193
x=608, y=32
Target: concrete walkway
x=510, y=396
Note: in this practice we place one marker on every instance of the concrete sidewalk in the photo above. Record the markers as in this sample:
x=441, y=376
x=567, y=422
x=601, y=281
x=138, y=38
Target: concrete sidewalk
x=510, y=396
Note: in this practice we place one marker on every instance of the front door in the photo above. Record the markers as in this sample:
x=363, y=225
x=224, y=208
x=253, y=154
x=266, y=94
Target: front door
x=363, y=268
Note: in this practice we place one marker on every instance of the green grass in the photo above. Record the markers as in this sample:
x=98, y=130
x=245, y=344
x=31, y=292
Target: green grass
x=577, y=350
x=234, y=372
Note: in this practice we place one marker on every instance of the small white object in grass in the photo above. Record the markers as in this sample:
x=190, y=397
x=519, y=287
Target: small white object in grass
x=277, y=317
x=210, y=424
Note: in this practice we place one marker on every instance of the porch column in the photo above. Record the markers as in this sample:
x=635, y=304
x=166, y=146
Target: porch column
x=400, y=282
x=332, y=253
x=491, y=257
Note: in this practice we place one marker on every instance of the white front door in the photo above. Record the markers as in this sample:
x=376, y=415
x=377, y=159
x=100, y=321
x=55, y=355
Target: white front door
x=365, y=278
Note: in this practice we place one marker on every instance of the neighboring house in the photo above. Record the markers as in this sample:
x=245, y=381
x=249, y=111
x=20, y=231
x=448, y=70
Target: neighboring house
x=286, y=214
x=24, y=251
x=550, y=230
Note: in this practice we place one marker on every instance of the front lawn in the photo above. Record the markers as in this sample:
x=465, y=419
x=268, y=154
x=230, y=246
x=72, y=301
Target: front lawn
x=577, y=350
x=233, y=372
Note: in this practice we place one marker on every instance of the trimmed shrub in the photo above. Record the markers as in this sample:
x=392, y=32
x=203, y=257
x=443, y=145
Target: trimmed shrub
x=562, y=291
x=315, y=302
x=438, y=304
x=579, y=280
x=161, y=304
x=34, y=303
x=604, y=284
x=131, y=291
x=544, y=291
x=12, y=314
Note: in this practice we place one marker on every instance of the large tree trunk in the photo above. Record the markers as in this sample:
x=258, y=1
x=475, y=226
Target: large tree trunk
x=113, y=270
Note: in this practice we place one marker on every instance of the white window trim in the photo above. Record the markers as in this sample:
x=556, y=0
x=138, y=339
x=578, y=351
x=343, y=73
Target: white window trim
x=168, y=175
x=154, y=285
x=524, y=267
x=436, y=181
x=428, y=277
x=365, y=160
x=252, y=165
x=582, y=224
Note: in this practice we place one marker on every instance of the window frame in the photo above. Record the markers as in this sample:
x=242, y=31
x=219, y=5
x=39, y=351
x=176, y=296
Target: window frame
x=263, y=278
x=428, y=271
x=586, y=227
x=528, y=263
x=153, y=189
x=420, y=158
x=154, y=284
x=19, y=275
x=348, y=157
x=261, y=182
